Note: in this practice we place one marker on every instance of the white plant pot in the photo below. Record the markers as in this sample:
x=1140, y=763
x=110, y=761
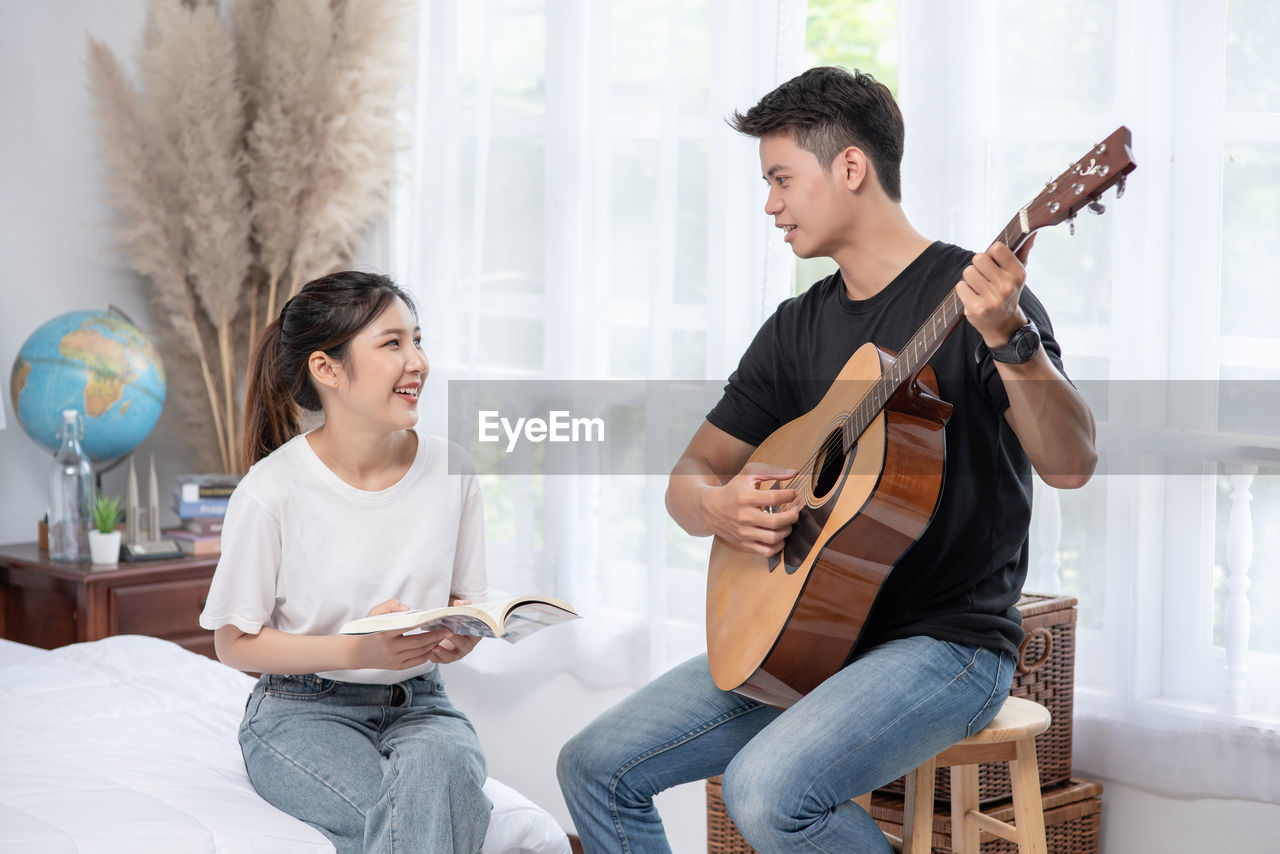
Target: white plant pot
x=104, y=549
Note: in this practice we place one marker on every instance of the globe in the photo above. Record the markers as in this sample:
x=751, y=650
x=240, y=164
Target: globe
x=97, y=363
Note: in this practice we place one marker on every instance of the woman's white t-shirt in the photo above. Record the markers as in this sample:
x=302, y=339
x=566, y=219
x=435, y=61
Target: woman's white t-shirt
x=303, y=551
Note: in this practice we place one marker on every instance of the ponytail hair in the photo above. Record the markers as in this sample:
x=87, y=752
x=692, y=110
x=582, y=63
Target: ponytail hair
x=323, y=316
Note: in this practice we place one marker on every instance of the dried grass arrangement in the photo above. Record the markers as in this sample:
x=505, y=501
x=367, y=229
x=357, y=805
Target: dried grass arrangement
x=256, y=148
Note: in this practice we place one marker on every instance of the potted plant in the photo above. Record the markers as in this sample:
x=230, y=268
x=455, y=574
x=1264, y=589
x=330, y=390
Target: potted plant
x=104, y=540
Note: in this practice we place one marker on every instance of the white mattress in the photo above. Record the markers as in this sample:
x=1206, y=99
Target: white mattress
x=129, y=745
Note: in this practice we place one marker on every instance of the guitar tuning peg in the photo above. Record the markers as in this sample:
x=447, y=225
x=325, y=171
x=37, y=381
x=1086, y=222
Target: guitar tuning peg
x=1097, y=207
x=1120, y=187
x=1071, y=224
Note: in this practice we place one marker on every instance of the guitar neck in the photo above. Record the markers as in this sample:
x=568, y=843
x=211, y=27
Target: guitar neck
x=923, y=344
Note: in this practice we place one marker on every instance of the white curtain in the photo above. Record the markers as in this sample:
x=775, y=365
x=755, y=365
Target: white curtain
x=578, y=210
x=1165, y=309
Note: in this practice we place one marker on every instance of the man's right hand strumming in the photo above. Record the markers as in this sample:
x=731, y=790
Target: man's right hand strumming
x=749, y=513
x=714, y=490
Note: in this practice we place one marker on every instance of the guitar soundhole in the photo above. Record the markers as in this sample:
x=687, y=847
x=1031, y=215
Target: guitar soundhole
x=829, y=465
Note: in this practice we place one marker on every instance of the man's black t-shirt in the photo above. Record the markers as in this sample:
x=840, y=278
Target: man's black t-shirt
x=960, y=580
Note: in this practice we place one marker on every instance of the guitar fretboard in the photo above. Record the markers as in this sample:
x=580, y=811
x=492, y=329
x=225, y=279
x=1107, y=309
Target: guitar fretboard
x=920, y=349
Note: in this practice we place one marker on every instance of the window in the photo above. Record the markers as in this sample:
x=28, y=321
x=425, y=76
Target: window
x=1162, y=307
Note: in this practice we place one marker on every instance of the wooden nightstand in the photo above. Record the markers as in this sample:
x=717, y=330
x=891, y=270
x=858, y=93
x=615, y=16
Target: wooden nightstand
x=46, y=603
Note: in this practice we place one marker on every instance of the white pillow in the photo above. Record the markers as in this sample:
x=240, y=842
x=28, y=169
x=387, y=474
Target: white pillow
x=519, y=826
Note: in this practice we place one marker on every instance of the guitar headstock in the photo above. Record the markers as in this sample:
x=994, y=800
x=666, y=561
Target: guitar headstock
x=1103, y=167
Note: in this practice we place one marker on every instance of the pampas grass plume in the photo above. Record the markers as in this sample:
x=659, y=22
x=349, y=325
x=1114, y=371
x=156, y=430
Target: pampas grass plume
x=257, y=146
x=283, y=142
x=355, y=164
x=149, y=225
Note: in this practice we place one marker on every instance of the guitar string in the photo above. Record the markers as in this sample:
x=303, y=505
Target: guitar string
x=874, y=390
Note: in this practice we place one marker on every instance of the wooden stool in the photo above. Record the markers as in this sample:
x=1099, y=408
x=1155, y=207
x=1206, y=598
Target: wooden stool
x=1010, y=737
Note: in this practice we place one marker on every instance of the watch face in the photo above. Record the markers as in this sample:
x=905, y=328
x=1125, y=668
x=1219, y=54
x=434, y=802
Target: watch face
x=1027, y=344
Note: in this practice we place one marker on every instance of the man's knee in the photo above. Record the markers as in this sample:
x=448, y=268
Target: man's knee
x=756, y=806
x=596, y=760
x=580, y=759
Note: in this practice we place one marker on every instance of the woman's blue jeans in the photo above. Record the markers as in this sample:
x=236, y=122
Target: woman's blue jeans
x=372, y=767
x=789, y=777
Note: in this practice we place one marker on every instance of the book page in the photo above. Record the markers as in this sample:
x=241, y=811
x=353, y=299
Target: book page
x=459, y=624
x=421, y=619
x=383, y=622
x=526, y=619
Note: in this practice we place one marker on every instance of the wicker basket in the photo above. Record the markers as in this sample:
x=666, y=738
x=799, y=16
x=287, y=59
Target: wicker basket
x=1046, y=674
x=1072, y=816
x=1072, y=819
x=722, y=834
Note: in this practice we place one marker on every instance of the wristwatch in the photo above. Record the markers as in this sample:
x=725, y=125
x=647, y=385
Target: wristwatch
x=1021, y=348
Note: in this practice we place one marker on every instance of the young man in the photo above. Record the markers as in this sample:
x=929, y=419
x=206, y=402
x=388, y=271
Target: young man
x=937, y=653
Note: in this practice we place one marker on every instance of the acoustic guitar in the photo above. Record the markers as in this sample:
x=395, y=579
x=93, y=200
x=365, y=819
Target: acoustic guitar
x=869, y=464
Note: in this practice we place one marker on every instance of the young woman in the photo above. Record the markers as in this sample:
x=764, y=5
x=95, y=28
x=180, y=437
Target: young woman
x=353, y=734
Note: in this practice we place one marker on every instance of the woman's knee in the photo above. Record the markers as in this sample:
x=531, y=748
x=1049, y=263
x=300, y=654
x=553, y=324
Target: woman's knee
x=323, y=798
x=456, y=763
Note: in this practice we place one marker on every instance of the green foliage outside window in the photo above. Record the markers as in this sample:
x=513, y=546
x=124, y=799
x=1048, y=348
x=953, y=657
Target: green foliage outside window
x=855, y=34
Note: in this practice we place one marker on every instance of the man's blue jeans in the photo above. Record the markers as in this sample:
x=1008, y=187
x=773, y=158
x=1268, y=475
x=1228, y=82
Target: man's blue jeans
x=789, y=777
x=368, y=766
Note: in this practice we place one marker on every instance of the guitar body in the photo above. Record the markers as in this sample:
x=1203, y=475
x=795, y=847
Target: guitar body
x=777, y=627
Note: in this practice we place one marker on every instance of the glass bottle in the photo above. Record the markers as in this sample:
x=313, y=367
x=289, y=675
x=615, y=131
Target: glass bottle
x=70, y=493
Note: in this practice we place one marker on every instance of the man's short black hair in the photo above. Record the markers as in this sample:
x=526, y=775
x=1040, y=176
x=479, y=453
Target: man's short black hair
x=828, y=109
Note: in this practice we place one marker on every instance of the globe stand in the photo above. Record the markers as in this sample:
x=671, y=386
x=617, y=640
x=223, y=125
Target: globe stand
x=99, y=469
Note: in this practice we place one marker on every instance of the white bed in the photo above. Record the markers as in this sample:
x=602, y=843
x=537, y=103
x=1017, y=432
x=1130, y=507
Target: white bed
x=129, y=745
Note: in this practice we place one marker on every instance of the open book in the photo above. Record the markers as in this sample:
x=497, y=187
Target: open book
x=509, y=619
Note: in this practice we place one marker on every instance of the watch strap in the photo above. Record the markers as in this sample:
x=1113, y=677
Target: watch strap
x=1009, y=353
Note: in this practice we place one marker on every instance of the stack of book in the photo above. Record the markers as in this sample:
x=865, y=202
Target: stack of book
x=201, y=504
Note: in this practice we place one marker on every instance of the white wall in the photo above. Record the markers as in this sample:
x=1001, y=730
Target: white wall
x=1139, y=822
x=57, y=257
